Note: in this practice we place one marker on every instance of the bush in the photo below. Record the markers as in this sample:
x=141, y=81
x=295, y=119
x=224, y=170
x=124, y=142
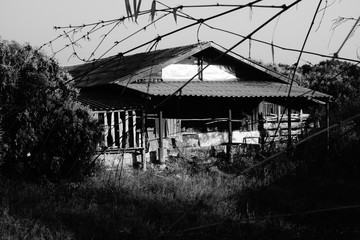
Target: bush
x=340, y=80
x=47, y=134
x=1, y=145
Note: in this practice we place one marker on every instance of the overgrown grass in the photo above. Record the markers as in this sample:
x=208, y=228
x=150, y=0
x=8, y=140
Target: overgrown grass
x=19, y=228
x=190, y=199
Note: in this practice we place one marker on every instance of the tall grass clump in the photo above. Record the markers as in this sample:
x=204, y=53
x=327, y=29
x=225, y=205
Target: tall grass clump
x=302, y=190
x=130, y=204
x=178, y=202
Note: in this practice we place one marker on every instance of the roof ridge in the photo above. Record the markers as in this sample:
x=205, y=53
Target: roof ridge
x=172, y=48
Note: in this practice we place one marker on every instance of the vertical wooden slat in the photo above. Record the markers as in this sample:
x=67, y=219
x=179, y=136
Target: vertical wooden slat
x=120, y=126
x=279, y=121
x=122, y=129
x=133, y=128
x=161, y=146
x=106, y=129
x=126, y=130
x=143, y=129
x=301, y=122
x=112, y=128
x=230, y=137
x=109, y=137
x=117, y=129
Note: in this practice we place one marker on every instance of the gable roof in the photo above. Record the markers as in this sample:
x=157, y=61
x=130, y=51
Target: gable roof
x=251, y=80
x=118, y=68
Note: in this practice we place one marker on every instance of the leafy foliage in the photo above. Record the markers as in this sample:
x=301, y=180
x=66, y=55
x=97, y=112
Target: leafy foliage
x=47, y=134
x=342, y=81
x=1, y=144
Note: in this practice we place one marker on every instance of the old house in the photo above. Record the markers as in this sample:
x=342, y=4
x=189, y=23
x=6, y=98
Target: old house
x=198, y=95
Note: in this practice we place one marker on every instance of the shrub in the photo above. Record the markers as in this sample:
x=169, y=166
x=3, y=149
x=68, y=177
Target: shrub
x=47, y=134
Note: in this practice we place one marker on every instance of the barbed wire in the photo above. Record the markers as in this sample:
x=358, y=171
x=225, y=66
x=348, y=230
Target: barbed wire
x=97, y=27
x=190, y=79
x=303, y=46
x=268, y=216
x=101, y=24
x=310, y=211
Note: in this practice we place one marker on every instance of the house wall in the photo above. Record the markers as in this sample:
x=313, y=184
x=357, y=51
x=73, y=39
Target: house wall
x=196, y=133
x=120, y=128
x=276, y=122
x=121, y=138
x=122, y=132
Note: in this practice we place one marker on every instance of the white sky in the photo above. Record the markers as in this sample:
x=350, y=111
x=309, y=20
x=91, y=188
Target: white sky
x=33, y=22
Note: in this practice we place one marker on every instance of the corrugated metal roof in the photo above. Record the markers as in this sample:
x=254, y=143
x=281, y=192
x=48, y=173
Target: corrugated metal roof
x=237, y=89
x=252, y=81
x=119, y=67
x=100, y=98
x=124, y=67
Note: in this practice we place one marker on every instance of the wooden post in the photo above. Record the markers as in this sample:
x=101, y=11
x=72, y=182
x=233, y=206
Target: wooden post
x=126, y=130
x=327, y=130
x=112, y=128
x=143, y=144
x=229, y=146
x=106, y=129
x=120, y=129
x=301, y=122
x=133, y=128
x=279, y=122
x=161, y=146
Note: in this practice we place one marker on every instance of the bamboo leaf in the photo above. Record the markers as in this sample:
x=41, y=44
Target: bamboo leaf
x=175, y=14
x=251, y=13
x=128, y=9
x=153, y=10
x=250, y=48
x=273, y=52
x=137, y=10
x=135, y=5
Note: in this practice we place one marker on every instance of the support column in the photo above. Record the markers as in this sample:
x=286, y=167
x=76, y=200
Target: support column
x=106, y=129
x=126, y=130
x=143, y=144
x=112, y=128
x=161, y=146
x=133, y=128
x=229, y=146
x=327, y=131
x=280, y=114
x=301, y=122
x=120, y=129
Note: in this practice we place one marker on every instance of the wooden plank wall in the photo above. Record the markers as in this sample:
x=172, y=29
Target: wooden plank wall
x=277, y=126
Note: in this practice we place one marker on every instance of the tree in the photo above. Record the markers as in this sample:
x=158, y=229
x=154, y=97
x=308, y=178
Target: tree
x=341, y=80
x=47, y=133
